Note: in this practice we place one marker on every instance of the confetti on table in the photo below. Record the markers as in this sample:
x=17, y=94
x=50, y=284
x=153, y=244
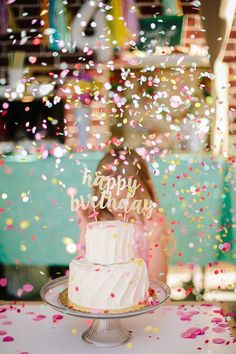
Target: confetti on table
x=8, y=339
x=218, y=340
x=129, y=345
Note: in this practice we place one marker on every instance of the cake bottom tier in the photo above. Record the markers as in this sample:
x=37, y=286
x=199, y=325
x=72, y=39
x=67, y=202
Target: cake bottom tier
x=116, y=288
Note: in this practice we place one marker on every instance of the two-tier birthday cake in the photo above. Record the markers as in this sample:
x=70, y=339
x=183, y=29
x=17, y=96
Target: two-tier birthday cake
x=109, y=277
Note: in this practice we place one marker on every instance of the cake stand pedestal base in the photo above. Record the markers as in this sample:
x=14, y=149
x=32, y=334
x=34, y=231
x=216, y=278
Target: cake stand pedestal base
x=106, y=333
x=106, y=329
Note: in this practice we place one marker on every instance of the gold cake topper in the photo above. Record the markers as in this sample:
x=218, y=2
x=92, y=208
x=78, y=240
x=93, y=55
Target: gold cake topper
x=106, y=184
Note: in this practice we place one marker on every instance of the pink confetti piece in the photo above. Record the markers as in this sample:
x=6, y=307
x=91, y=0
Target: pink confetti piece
x=216, y=320
x=7, y=323
x=28, y=288
x=205, y=328
x=224, y=325
x=193, y=332
x=226, y=247
x=175, y=101
x=207, y=305
x=185, y=318
x=8, y=339
x=218, y=311
x=218, y=340
x=39, y=318
x=3, y=282
x=71, y=191
x=57, y=317
x=2, y=333
x=32, y=59
x=218, y=329
x=20, y=292
x=89, y=322
x=190, y=333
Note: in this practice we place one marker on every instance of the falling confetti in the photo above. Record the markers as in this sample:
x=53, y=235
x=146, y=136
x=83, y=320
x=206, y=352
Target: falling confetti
x=8, y=339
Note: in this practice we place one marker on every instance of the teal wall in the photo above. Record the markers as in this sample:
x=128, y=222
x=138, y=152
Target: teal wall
x=40, y=225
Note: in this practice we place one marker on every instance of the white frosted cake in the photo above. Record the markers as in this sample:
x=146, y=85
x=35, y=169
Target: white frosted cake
x=109, y=277
x=109, y=242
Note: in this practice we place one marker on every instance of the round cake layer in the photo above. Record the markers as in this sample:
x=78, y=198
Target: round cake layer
x=113, y=287
x=109, y=242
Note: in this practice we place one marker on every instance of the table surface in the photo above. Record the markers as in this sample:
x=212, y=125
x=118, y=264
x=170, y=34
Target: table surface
x=36, y=330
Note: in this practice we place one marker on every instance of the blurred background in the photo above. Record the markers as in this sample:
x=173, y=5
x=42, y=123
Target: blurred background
x=77, y=77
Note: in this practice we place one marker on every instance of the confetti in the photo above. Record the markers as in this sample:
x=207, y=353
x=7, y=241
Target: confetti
x=8, y=339
x=218, y=341
x=129, y=345
x=193, y=332
x=39, y=318
x=3, y=282
x=2, y=333
x=28, y=288
x=57, y=317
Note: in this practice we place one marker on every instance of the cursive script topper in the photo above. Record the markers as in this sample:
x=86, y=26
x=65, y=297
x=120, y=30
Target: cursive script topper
x=107, y=185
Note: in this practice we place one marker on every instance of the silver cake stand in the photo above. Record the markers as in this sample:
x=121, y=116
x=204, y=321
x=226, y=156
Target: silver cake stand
x=106, y=329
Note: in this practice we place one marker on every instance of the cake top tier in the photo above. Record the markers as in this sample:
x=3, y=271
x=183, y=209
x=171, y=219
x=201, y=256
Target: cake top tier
x=109, y=242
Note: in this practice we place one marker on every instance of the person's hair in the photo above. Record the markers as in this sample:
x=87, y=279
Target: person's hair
x=125, y=163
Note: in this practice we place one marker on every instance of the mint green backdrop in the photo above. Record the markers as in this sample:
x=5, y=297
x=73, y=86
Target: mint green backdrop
x=196, y=193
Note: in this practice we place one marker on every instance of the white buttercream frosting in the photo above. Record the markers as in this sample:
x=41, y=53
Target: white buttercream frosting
x=109, y=242
x=111, y=287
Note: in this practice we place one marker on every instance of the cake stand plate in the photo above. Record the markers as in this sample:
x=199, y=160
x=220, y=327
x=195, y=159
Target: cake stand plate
x=106, y=329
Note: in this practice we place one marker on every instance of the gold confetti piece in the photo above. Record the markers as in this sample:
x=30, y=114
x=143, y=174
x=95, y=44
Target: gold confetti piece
x=155, y=329
x=67, y=240
x=24, y=224
x=44, y=12
x=129, y=345
x=139, y=262
x=74, y=331
x=9, y=222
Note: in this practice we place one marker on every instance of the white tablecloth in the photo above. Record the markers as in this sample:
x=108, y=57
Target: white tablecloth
x=36, y=331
